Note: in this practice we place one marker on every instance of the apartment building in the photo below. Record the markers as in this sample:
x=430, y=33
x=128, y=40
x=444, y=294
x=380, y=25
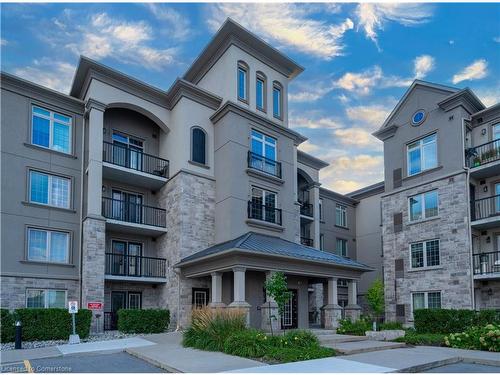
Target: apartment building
x=440, y=202
x=134, y=197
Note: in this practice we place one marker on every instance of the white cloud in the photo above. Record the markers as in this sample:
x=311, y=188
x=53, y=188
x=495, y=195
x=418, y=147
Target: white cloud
x=308, y=147
x=308, y=123
x=286, y=24
x=56, y=75
x=423, y=65
x=496, y=39
x=3, y=42
x=371, y=115
x=178, y=26
x=358, y=137
x=372, y=17
x=360, y=83
x=490, y=96
x=477, y=70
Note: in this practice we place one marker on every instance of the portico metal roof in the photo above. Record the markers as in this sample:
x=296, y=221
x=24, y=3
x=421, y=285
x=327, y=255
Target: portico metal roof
x=258, y=243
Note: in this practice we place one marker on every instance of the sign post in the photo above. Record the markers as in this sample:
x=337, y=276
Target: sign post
x=73, y=310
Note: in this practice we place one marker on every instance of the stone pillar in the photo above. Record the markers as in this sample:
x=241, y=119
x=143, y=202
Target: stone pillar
x=269, y=311
x=315, y=224
x=239, y=301
x=217, y=291
x=332, y=312
x=352, y=310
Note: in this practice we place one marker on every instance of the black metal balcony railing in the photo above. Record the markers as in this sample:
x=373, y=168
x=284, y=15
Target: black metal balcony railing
x=135, y=266
x=486, y=263
x=135, y=159
x=306, y=209
x=264, y=213
x=307, y=241
x=483, y=154
x=260, y=163
x=485, y=207
x=133, y=213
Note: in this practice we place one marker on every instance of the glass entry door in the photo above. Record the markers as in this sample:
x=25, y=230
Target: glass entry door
x=127, y=206
x=290, y=317
x=128, y=151
x=126, y=258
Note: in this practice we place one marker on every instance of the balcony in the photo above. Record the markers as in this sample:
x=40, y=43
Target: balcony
x=135, y=268
x=266, y=214
x=306, y=209
x=128, y=217
x=485, y=212
x=486, y=265
x=307, y=241
x=264, y=165
x=483, y=159
x=125, y=164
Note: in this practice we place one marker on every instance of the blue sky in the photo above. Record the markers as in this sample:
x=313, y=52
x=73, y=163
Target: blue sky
x=358, y=58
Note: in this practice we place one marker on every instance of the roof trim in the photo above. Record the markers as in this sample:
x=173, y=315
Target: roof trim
x=182, y=88
x=367, y=191
x=483, y=111
x=230, y=33
x=465, y=98
x=337, y=196
x=311, y=161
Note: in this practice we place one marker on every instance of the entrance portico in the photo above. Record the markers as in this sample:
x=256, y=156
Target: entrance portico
x=239, y=268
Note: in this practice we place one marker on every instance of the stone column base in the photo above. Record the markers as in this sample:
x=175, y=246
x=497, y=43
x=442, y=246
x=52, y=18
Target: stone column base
x=217, y=305
x=244, y=306
x=353, y=312
x=331, y=316
x=270, y=317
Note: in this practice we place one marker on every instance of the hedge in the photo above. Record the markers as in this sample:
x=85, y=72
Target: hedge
x=143, y=321
x=6, y=326
x=452, y=321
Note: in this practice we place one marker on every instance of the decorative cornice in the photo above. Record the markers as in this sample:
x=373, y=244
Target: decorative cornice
x=182, y=88
x=368, y=191
x=310, y=160
x=386, y=132
x=337, y=196
x=94, y=104
x=464, y=98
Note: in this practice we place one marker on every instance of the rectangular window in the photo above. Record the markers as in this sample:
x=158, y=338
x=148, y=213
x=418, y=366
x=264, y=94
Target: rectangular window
x=342, y=283
x=426, y=300
x=422, y=155
x=425, y=254
x=264, y=205
x=496, y=132
x=264, y=152
x=51, y=130
x=341, y=247
x=423, y=206
x=45, y=298
x=341, y=215
x=49, y=189
x=277, y=102
x=321, y=209
x=48, y=246
x=260, y=93
x=322, y=241
x=242, y=83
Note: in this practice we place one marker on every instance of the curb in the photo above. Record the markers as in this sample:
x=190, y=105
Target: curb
x=151, y=361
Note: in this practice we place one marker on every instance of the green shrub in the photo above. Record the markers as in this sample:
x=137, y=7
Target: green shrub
x=390, y=325
x=143, y=321
x=52, y=324
x=357, y=328
x=476, y=338
x=300, y=338
x=451, y=320
x=294, y=354
x=248, y=343
x=430, y=339
x=6, y=326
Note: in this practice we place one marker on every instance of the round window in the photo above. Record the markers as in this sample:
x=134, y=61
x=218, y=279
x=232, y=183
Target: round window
x=418, y=117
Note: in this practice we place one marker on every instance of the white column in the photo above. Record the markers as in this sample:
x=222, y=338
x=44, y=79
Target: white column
x=217, y=290
x=315, y=224
x=352, y=293
x=95, y=124
x=332, y=312
x=332, y=291
x=239, y=284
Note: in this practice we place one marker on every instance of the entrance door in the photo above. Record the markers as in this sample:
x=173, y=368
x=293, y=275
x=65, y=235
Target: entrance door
x=127, y=206
x=200, y=297
x=118, y=301
x=128, y=151
x=290, y=318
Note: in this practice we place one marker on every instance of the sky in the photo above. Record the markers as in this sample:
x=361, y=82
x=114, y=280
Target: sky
x=359, y=59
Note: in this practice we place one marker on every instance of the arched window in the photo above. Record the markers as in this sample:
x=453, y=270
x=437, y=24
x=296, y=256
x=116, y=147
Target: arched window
x=198, y=145
x=242, y=79
x=277, y=100
x=260, y=91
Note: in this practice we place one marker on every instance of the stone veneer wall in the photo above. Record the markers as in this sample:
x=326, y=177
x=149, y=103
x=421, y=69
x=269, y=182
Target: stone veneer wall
x=13, y=294
x=485, y=301
x=451, y=227
x=190, y=203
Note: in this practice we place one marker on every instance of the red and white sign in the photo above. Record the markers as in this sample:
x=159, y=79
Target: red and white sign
x=94, y=305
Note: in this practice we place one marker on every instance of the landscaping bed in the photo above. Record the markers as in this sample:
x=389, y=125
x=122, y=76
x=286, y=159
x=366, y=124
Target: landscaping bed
x=225, y=331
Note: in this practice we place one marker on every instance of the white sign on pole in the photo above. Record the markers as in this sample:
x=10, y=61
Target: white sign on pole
x=73, y=307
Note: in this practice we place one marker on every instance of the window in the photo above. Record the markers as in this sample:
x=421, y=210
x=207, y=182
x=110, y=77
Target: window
x=322, y=241
x=495, y=129
x=426, y=300
x=45, y=298
x=51, y=130
x=340, y=215
x=263, y=206
x=264, y=155
x=424, y=254
x=128, y=151
x=198, y=147
x=422, y=155
x=423, y=206
x=341, y=247
x=342, y=283
x=48, y=246
x=277, y=100
x=242, y=81
x=260, y=92
x=49, y=189
x=321, y=209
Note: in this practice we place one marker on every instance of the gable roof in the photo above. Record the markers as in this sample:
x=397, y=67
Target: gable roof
x=258, y=243
x=233, y=33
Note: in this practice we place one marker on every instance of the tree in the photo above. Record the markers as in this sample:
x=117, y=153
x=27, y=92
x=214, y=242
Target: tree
x=375, y=298
x=277, y=288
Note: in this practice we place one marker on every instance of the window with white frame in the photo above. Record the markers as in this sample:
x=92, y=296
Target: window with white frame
x=51, y=130
x=260, y=92
x=422, y=154
x=341, y=247
x=277, y=100
x=426, y=300
x=264, y=153
x=242, y=81
x=48, y=245
x=45, y=298
x=424, y=254
x=341, y=215
x=423, y=206
x=264, y=205
x=342, y=283
x=49, y=189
